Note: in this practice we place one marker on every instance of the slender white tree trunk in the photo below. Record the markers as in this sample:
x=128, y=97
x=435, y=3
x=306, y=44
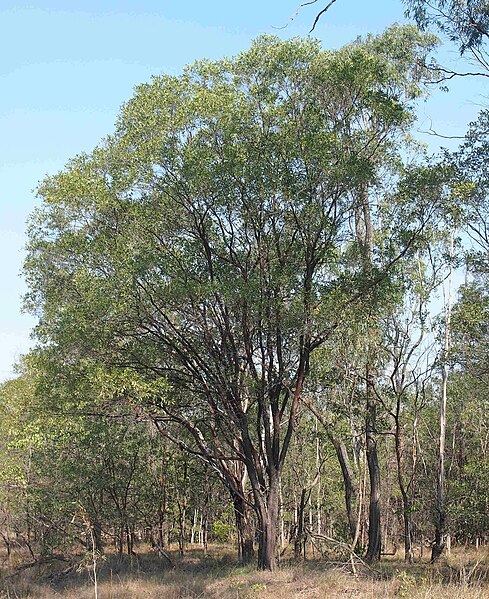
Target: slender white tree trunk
x=439, y=544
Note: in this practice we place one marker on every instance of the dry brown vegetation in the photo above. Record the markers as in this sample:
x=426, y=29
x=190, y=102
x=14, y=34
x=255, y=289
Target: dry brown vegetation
x=463, y=575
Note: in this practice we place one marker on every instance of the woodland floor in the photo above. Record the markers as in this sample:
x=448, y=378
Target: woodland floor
x=463, y=575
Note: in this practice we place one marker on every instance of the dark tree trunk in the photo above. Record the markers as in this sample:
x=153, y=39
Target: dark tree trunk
x=350, y=487
x=129, y=540
x=408, y=532
x=365, y=232
x=97, y=535
x=374, y=528
x=120, y=541
x=439, y=544
x=181, y=530
x=406, y=502
x=244, y=528
x=299, y=532
x=162, y=529
x=205, y=531
x=351, y=490
x=267, y=513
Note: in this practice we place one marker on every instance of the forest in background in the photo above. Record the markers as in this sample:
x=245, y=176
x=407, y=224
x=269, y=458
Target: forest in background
x=249, y=330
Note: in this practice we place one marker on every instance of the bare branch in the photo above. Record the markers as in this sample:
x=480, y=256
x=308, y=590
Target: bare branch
x=320, y=14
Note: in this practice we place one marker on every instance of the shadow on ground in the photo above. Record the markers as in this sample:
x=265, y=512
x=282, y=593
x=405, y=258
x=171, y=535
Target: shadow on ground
x=216, y=576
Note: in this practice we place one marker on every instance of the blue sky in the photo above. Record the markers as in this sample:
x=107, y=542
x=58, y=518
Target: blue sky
x=66, y=67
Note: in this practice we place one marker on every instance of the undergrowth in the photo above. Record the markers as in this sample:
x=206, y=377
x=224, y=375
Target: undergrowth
x=464, y=575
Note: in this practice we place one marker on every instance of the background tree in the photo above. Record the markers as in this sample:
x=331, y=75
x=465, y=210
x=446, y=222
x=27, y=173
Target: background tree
x=465, y=23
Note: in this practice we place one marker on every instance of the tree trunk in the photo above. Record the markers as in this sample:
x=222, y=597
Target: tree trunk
x=182, y=530
x=97, y=535
x=374, y=528
x=267, y=513
x=351, y=491
x=120, y=541
x=408, y=532
x=350, y=488
x=299, y=530
x=194, y=527
x=440, y=516
x=406, y=511
x=162, y=529
x=244, y=529
x=129, y=540
x=406, y=503
x=365, y=233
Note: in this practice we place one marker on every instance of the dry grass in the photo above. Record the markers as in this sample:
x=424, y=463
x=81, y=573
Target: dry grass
x=465, y=575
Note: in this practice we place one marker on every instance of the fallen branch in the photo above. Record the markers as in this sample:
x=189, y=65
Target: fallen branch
x=352, y=556
x=159, y=549
x=38, y=562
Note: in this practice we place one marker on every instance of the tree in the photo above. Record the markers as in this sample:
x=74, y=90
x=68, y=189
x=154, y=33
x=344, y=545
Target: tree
x=465, y=23
x=198, y=254
x=402, y=390
x=87, y=477
x=469, y=383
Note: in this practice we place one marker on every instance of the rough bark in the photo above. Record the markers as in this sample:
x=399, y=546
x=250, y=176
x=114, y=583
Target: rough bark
x=349, y=484
x=374, y=527
x=364, y=233
x=267, y=513
x=244, y=529
x=97, y=536
x=299, y=532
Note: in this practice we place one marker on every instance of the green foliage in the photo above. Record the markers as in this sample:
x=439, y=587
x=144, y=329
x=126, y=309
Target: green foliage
x=469, y=508
x=206, y=265
x=465, y=22
x=201, y=156
x=221, y=531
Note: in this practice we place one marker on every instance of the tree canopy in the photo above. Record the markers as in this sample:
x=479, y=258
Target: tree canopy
x=207, y=249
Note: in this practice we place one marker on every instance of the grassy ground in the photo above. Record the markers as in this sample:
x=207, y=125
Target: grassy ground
x=464, y=575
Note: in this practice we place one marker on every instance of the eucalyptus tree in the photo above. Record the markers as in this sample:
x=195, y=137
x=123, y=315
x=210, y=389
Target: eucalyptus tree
x=469, y=384
x=402, y=390
x=76, y=475
x=198, y=254
x=464, y=22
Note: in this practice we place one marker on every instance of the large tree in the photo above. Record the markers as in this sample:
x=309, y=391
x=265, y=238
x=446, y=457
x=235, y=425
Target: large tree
x=203, y=245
